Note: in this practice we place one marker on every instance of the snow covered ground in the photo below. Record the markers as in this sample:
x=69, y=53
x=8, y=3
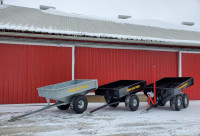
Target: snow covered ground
x=118, y=121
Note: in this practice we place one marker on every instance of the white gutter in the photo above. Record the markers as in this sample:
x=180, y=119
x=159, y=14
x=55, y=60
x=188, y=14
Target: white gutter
x=181, y=43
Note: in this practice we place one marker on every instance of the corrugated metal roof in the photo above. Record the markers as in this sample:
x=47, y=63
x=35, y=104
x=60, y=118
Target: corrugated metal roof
x=35, y=20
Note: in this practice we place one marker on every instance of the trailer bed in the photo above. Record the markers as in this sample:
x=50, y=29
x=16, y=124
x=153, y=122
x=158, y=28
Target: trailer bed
x=121, y=88
x=66, y=90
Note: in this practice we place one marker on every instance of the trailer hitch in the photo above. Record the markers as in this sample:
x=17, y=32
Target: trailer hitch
x=150, y=105
x=152, y=95
x=14, y=118
x=101, y=107
x=146, y=110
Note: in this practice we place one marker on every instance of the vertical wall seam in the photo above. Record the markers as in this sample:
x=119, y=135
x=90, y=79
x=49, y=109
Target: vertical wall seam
x=180, y=64
x=73, y=62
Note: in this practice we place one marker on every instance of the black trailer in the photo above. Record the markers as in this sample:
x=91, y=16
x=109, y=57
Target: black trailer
x=169, y=89
x=121, y=91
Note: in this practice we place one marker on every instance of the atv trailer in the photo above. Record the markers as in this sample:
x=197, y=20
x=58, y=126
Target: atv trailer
x=121, y=91
x=169, y=89
x=67, y=94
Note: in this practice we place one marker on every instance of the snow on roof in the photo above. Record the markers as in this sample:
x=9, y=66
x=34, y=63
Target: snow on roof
x=144, y=22
x=174, y=11
x=58, y=22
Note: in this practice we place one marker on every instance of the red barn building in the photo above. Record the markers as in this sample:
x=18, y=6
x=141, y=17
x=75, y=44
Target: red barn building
x=43, y=47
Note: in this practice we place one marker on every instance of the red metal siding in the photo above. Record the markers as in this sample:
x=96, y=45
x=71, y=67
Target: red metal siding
x=191, y=68
x=23, y=68
x=108, y=65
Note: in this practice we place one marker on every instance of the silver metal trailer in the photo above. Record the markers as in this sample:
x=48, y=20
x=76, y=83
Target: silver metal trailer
x=67, y=94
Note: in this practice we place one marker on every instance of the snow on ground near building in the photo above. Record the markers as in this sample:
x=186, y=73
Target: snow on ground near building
x=109, y=121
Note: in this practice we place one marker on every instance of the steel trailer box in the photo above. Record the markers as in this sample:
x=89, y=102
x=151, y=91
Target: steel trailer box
x=121, y=88
x=66, y=90
x=169, y=88
x=122, y=91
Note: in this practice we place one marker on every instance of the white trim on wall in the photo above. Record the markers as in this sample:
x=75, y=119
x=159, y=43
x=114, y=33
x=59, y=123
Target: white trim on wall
x=180, y=60
x=179, y=64
x=36, y=43
x=132, y=47
x=73, y=62
x=194, y=52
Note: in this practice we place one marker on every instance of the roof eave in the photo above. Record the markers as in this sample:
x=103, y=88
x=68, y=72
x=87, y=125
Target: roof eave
x=97, y=39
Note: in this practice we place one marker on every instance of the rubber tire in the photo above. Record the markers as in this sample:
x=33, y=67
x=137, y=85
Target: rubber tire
x=129, y=100
x=172, y=103
x=63, y=107
x=111, y=100
x=75, y=101
x=177, y=107
x=185, y=104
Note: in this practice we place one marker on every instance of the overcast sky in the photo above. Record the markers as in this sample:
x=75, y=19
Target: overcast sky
x=174, y=11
